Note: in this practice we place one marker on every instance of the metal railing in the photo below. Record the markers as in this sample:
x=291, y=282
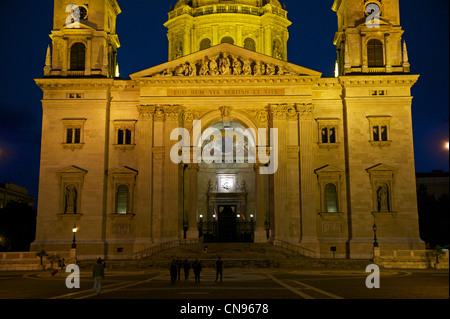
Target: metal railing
x=157, y=248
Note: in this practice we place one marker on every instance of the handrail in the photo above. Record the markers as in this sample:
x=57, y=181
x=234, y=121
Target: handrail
x=150, y=251
x=295, y=248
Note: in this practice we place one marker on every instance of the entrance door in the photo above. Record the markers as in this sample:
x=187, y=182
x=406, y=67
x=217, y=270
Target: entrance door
x=227, y=224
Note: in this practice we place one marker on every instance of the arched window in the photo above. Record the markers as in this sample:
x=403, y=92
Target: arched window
x=227, y=40
x=375, y=53
x=205, y=44
x=250, y=44
x=77, y=57
x=122, y=199
x=331, y=200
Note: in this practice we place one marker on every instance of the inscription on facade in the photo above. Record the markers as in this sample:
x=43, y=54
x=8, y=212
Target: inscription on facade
x=225, y=92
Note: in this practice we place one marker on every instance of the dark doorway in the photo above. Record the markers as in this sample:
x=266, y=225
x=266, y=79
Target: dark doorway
x=227, y=224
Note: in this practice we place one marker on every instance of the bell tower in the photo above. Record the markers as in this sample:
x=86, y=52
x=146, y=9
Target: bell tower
x=369, y=37
x=84, y=39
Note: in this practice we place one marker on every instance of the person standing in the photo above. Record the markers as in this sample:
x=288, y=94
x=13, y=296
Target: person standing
x=197, y=266
x=173, y=272
x=187, y=268
x=219, y=269
x=98, y=273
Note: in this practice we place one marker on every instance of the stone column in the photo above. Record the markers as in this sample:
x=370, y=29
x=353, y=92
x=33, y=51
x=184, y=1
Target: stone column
x=307, y=176
x=279, y=122
x=144, y=179
x=172, y=219
x=260, y=231
x=192, y=232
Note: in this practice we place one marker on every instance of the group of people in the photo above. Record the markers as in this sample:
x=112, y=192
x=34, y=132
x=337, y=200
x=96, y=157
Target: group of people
x=176, y=265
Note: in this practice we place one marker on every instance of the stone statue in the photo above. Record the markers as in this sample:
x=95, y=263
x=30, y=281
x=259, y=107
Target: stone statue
x=213, y=67
x=237, y=66
x=70, y=197
x=204, y=67
x=383, y=198
x=247, y=68
x=271, y=70
x=225, y=65
x=192, y=69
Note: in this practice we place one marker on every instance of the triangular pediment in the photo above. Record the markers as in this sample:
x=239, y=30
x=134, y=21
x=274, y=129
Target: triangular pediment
x=328, y=169
x=123, y=170
x=381, y=168
x=226, y=60
x=72, y=170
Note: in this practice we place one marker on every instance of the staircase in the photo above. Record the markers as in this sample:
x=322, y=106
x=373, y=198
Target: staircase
x=236, y=256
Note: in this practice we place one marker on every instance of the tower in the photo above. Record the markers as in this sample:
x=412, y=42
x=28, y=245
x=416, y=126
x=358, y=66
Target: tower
x=84, y=39
x=257, y=25
x=369, y=37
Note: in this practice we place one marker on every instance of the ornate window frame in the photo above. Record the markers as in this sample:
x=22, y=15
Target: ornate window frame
x=123, y=176
x=71, y=176
x=73, y=124
x=329, y=175
x=328, y=124
x=125, y=125
x=380, y=175
x=380, y=121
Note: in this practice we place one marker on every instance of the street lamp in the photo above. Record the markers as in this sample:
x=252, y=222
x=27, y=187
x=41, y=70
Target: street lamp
x=74, y=242
x=375, y=242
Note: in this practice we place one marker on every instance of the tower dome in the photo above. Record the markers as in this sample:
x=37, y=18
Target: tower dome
x=256, y=25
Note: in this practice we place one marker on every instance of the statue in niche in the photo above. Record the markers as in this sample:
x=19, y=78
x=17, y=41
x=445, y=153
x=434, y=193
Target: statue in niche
x=237, y=66
x=178, y=50
x=383, y=198
x=277, y=54
x=225, y=65
x=213, y=67
x=247, y=68
x=212, y=187
x=70, y=198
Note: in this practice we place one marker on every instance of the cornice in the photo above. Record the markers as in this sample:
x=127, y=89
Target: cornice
x=389, y=80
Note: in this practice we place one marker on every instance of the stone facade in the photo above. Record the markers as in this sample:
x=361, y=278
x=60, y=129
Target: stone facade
x=345, y=149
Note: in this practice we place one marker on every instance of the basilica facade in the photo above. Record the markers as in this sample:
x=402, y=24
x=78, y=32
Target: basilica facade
x=227, y=141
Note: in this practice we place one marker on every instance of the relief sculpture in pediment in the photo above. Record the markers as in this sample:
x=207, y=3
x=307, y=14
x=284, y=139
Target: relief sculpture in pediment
x=226, y=64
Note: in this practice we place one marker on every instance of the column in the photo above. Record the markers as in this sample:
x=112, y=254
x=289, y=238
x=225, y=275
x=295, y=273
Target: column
x=144, y=178
x=279, y=119
x=192, y=232
x=260, y=231
x=172, y=219
x=307, y=176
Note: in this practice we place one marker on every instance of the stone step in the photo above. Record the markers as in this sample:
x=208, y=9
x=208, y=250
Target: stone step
x=234, y=256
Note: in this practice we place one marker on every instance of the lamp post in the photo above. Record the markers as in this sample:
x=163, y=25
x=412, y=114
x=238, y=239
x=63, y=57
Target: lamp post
x=375, y=241
x=74, y=241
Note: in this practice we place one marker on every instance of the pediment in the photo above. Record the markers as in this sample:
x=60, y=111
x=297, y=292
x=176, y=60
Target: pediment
x=124, y=170
x=381, y=168
x=328, y=169
x=226, y=60
x=72, y=170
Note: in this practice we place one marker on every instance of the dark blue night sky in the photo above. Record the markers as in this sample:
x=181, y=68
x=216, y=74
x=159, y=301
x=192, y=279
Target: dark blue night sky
x=25, y=26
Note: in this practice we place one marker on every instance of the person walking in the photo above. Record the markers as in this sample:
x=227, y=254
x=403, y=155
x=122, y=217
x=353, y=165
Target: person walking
x=98, y=273
x=173, y=272
x=219, y=269
x=187, y=268
x=197, y=266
